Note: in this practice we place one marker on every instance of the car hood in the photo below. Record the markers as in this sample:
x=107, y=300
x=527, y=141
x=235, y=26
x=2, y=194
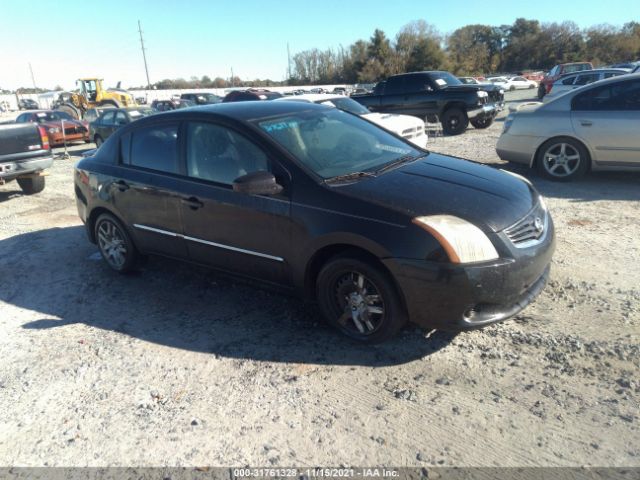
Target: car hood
x=58, y=123
x=437, y=184
x=395, y=123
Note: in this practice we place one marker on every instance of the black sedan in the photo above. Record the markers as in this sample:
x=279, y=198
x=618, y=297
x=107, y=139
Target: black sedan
x=112, y=119
x=323, y=203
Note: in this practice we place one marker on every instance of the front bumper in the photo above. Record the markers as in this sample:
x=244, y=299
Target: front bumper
x=456, y=297
x=486, y=111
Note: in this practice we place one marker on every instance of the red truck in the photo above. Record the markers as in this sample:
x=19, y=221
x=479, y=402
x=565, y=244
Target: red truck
x=556, y=72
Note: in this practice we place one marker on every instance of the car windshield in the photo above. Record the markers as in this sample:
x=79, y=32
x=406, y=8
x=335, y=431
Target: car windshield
x=576, y=68
x=346, y=104
x=333, y=143
x=444, y=79
x=52, y=116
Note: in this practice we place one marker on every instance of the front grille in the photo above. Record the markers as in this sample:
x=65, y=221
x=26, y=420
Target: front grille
x=531, y=229
x=72, y=130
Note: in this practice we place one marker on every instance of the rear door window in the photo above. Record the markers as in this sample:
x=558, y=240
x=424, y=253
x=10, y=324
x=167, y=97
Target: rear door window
x=568, y=81
x=623, y=96
x=587, y=78
x=155, y=148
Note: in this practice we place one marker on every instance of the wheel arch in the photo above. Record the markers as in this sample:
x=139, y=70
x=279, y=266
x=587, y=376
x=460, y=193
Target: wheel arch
x=93, y=216
x=325, y=253
x=534, y=157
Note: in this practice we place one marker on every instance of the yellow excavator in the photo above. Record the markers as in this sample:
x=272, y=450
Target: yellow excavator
x=90, y=94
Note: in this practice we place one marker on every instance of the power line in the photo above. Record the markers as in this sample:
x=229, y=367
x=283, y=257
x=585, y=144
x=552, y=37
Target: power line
x=144, y=56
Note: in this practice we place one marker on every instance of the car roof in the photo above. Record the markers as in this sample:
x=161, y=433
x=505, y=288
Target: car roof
x=242, y=111
x=310, y=97
x=595, y=70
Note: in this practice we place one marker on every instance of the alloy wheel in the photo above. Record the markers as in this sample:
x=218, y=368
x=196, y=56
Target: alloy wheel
x=561, y=160
x=112, y=244
x=360, y=302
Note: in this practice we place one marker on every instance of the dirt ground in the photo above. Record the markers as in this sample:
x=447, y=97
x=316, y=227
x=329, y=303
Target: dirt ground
x=177, y=366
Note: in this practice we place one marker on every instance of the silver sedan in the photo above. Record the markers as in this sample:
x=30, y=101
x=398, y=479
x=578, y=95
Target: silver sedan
x=596, y=127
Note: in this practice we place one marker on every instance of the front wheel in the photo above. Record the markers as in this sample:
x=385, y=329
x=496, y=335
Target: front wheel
x=481, y=123
x=114, y=243
x=454, y=121
x=541, y=92
x=360, y=300
x=562, y=159
x=31, y=185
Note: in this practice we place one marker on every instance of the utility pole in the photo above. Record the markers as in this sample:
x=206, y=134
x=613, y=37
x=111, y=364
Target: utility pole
x=232, y=83
x=144, y=56
x=288, y=64
x=32, y=77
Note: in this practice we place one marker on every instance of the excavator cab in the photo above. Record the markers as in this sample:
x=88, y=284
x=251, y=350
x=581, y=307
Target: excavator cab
x=89, y=88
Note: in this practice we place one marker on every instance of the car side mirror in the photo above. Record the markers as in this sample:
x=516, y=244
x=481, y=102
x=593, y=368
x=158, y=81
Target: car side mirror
x=260, y=182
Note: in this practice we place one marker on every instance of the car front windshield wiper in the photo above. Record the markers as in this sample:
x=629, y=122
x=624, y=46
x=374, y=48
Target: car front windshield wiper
x=397, y=162
x=349, y=177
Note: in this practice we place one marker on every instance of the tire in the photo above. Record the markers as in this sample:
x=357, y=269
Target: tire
x=512, y=88
x=70, y=110
x=115, y=244
x=343, y=290
x=562, y=159
x=98, y=141
x=541, y=91
x=485, y=122
x=31, y=185
x=532, y=86
x=454, y=121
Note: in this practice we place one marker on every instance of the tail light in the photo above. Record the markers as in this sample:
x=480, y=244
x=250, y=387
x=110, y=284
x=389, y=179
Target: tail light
x=44, y=138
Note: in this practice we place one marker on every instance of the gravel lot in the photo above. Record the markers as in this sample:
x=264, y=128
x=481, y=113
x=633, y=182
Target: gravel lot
x=177, y=366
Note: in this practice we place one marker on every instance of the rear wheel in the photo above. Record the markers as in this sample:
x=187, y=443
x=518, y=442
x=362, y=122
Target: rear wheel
x=360, y=300
x=114, y=243
x=481, y=123
x=562, y=159
x=454, y=121
x=70, y=110
x=31, y=185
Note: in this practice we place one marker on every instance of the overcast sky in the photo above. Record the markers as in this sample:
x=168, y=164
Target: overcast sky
x=68, y=39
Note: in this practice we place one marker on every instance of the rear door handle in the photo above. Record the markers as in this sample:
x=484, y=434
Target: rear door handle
x=586, y=123
x=193, y=203
x=122, y=185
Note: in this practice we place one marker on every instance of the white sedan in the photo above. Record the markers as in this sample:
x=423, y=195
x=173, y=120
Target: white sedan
x=513, y=83
x=406, y=126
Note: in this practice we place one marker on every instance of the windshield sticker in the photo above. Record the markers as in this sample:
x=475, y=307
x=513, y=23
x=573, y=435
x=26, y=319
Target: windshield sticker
x=440, y=81
x=275, y=127
x=389, y=148
x=41, y=115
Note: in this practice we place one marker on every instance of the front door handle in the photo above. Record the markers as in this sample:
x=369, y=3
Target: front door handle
x=122, y=185
x=586, y=123
x=193, y=203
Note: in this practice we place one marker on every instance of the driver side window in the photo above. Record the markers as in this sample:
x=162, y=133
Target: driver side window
x=219, y=154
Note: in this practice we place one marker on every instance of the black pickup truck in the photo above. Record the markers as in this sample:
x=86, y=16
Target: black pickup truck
x=24, y=155
x=436, y=96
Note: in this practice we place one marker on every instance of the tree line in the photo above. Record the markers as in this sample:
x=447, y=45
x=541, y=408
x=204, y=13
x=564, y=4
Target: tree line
x=469, y=50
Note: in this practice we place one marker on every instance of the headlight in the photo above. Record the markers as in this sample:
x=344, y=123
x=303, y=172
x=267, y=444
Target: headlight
x=462, y=241
x=507, y=124
x=54, y=130
x=501, y=92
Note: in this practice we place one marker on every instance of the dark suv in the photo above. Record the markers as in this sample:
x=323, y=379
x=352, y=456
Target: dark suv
x=201, y=98
x=251, y=95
